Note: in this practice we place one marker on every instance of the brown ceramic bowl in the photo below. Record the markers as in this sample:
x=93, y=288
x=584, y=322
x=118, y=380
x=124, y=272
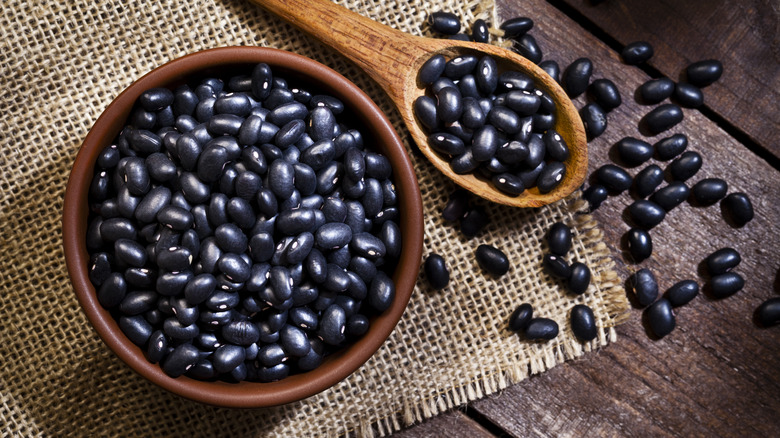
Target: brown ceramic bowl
x=373, y=125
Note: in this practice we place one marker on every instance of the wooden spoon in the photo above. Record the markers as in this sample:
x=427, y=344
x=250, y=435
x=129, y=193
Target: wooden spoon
x=393, y=58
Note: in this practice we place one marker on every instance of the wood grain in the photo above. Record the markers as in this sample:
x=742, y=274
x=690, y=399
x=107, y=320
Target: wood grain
x=717, y=373
x=744, y=35
x=452, y=423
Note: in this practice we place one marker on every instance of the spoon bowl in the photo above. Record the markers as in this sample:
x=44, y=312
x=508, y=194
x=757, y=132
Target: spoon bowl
x=393, y=59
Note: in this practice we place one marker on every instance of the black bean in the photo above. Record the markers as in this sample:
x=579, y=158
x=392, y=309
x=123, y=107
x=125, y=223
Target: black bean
x=209, y=255
x=445, y=23
x=633, y=151
x=174, y=259
x=644, y=287
x=614, y=178
x=503, y=119
x=646, y=214
x=662, y=118
x=709, y=191
x=559, y=239
x=485, y=142
x=671, y=196
x=520, y=317
x=511, y=80
x=184, y=101
x=551, y=176
x=486, y=74
x=136, y=328
x=99, y=268
x=640, y=245
x=432, y=69
x=688, y=96
x=157, y=347
x=541, y=329
x=536, y=151
x=636, y=52
x=234, y=267
x=685, y=166
x=381, y=292
x=294, y=341
x=185, y=313
x=193, y=189
x=543, y=122
x=130, y=252
x=390, y=233
x=200, y=288
x=555, y=146
x=726, y=285
x=367, y=245
x=492, y=260
x=594, y=119
x=647, y=180
x=160, y=167
x=479, y=31
x=513, y=152
x=576, y=77
x=319, y=154
x=262, y=80
x=456, y=206
x=464, y=163
x=332, y=325
x=473, y=222
x=460, y=66
x=595, y=195
x=529, y=48
x=605, y=93
x=436, y=271
x=230, y=238
x=583, y=323
x=446, y=143
x=522, y=102
x=660, y=318
x=516, y=26
x=233, y=103
x=738, y=208
x=682, y=292
x=204, y=110
x=508, y=183
x=182, y=358
x=551, y=68
x=580, y=278
x=768, y=312
x=670, y=147
x=556, y=266
x=655, y=90
x=178, y=331
x=449, y=104
x=227, y=357
x=704, y=73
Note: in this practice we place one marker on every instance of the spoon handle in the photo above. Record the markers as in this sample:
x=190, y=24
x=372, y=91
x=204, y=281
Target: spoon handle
x=387, y=55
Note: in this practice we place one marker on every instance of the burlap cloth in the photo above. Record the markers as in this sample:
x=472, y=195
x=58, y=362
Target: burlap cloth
x=62, y=62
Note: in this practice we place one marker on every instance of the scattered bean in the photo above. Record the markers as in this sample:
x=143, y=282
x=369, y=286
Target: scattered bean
x=739, y=208
x=644, y=287
x=660, y=317
x=640, y=245
x=636, y=52
x=583, y=323
x=682, y=293
x=492, y=260
x=704, y=73
x=726, y=285
x=709, y=191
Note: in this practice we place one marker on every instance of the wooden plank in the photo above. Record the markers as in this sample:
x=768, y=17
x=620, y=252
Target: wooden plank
x=451, y=423
x=745, y=36
x=717, y=374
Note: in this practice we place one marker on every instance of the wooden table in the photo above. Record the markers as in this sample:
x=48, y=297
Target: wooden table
x=718, y=372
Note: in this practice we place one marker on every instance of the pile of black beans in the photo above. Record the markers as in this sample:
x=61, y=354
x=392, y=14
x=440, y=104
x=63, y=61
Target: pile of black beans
x=654, y=201
x=497, y=125
x=239, y=230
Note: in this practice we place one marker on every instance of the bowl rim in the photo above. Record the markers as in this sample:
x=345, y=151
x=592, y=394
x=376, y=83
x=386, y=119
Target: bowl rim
x=244, y=394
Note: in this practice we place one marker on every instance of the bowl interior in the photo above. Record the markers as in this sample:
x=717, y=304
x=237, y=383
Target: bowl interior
x=364, y=115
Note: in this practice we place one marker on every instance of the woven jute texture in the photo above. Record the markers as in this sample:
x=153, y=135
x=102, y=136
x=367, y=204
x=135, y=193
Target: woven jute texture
x=62, y=62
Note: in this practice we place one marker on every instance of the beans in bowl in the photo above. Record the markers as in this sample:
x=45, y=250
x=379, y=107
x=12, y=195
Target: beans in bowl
x=240, y=229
